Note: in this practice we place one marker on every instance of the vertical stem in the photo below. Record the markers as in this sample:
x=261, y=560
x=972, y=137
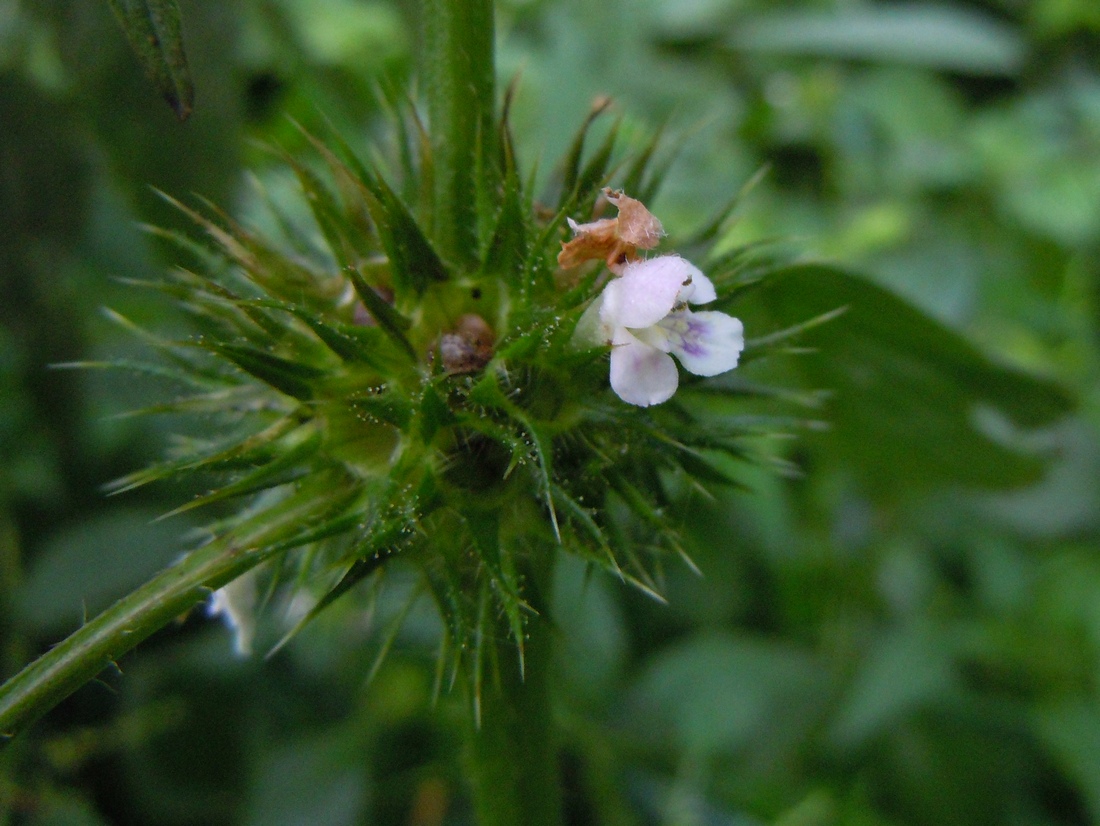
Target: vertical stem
x=458, y=73
x=513, y=755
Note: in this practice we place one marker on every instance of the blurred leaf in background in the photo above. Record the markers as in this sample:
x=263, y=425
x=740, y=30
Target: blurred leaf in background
x=903, y=627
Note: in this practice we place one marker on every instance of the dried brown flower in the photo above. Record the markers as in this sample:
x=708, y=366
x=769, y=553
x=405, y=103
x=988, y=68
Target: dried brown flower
x=614, y=240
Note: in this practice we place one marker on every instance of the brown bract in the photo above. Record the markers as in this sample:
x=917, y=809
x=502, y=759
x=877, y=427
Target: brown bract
x=614, y=240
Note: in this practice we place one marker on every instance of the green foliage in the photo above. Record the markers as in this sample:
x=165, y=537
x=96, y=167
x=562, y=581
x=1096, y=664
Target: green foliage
x=153, y=29
x=872, y=639
x=931, y=432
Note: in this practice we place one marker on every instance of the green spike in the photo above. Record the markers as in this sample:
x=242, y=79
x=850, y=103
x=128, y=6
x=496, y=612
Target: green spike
x=572, y=164
x=292, y=378
x=413, y=261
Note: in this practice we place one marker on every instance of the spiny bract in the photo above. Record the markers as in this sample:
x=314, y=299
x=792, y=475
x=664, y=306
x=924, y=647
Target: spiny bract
x=376, y=402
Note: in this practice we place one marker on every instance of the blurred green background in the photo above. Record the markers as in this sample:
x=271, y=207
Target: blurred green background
x=902, y=631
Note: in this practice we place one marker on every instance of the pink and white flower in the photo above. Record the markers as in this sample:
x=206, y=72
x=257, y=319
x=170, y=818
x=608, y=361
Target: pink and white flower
x=644, y=316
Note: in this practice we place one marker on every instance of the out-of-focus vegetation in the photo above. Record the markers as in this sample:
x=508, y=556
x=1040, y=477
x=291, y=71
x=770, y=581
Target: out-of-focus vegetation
x=905, y=630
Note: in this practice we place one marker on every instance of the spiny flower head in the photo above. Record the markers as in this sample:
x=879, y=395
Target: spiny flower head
x=377, y=404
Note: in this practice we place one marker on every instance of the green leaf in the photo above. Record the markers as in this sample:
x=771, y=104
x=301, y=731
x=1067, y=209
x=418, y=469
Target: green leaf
x=388, y=407
x=153, y=29
x=256, y=449
x=434, y=413
x=596, y=171
x=359, y=570
x=583, y=519
x=901, y=672
x=389, y=319
x=571, y=170
x=265, y=265
x=945, y=38
x=718, y=693
x=327, y=212
x=290, y=377
x=413, y=260
x=287, y=464
x=507, y=248
x=1070, y=729
x=905, y=391
x=353, y=343
x=484, y=528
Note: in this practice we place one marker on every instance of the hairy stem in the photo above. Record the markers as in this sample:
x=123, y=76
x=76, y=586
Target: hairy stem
x=513, y=751
x=84, y=653
x=458, y=73
x=79, y=657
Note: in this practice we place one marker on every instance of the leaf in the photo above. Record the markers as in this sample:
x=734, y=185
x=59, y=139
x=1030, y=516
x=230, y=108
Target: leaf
x=596, y=171
x=906, y=392
x=84, y=568
x=902, y=672
x=327, y=213
x=257, y=449
x=413, y=260
x=718, y=693
x=153, y=29
x=353, y=343
x=390, y=321
x=1070, y=729
x=434, y=413
x=289, y=462
x=359, y=570
x=945, y=38
x=389, y=407
x=290, y=377
x=640, y=164
x=265, y=265
x=572, y=166
x=484, y=528
x=507, y=248
x=583, y=519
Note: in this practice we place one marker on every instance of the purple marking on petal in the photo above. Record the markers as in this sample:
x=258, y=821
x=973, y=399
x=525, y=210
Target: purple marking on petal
x=693, y=336
x=708, y=342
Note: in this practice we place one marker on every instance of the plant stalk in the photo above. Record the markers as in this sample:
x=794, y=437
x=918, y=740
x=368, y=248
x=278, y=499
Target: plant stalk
x=83, y=654
x=459, y=76
x=87, y=651
x=513, y=752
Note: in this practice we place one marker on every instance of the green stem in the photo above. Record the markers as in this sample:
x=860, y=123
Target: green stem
x=513, y=751
x=459, y=71
x=67, y=666
x=84, y=653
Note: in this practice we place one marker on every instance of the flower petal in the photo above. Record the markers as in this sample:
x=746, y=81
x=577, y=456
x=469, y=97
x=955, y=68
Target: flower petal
x=236, y=602
x=707, y=343
x=701, y=290
x=645, y=293
x=641, y=374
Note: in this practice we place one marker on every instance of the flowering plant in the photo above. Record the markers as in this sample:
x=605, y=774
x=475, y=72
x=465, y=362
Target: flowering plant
x=421, y=380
